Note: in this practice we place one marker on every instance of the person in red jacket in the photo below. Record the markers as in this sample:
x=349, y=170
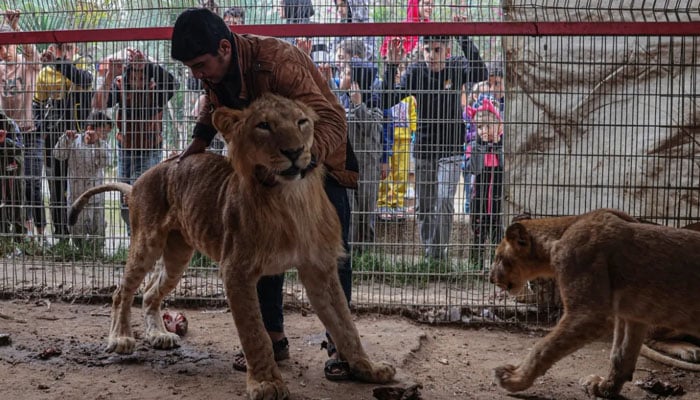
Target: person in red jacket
x=417, y=11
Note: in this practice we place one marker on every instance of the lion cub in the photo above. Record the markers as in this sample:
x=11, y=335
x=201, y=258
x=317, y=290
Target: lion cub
x=259, y=211
x=608, y=267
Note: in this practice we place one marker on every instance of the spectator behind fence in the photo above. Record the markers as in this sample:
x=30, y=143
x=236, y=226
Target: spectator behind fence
x=485, y=154
x=234, y=16
x=296, y=11
x=225, y=62
x=395, y=168
x=365, y=117
x=356, y=11
x=417, y=11
x=210, y=5
x=18, y=74
x=87, y=156
x=12, y=216
x=140, y=89
x=398, y=174
x=436, y=83
x=61, y=103
x=492, y=89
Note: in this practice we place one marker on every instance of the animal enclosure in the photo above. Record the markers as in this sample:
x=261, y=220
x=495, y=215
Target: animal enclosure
x=599, y=108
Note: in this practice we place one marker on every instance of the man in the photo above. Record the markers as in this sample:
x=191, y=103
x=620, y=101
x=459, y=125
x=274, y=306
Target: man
x=235, y=70
x=12, y=215
x=18, y=75
x=436, y=83
x=141, y=89
x=61, y=102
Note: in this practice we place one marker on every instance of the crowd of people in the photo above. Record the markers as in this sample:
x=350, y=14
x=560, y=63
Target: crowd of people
x=403, y=116
x=420, y=121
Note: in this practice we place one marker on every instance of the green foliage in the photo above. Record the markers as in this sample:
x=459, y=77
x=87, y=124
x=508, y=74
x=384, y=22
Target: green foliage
x=399, y=272
x=200, y=260
x=118, y=257
x=7, y=246
x=64, y=251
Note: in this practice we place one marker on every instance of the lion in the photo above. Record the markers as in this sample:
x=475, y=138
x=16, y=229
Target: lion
x=663, y=345
x=610, y=268
x=259, y=211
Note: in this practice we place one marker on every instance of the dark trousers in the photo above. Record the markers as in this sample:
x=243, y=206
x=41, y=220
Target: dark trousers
x=270, y=287
x=33, y=164
x=57, y=176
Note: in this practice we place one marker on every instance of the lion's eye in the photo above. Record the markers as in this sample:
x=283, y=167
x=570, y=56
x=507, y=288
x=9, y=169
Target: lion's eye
x=303, y=122
x=263, y=125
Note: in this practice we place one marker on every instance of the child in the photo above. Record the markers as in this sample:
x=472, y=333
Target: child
x=87, y=156
x=485, y=155
x=392, y=189
x=491, y=89
x=11, y=181
x=364, y=118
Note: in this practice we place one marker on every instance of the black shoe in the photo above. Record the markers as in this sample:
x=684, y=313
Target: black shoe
x=280, y=349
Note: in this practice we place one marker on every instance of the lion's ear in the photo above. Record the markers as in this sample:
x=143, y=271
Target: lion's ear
x=224, y=119
x=518, y=235
x=307, y=110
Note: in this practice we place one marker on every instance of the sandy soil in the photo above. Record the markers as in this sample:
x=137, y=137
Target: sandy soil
x=450, y=362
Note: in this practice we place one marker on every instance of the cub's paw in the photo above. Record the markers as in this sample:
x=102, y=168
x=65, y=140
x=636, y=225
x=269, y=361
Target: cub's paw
x=121, y=345
x=687, y=352
x=595, y=386
x=163, y=340
x=267, y=390
x=367, y=371
x=510, y=378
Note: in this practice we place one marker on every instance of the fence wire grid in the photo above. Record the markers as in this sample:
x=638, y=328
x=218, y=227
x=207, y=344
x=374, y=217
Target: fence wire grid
x=586, y=121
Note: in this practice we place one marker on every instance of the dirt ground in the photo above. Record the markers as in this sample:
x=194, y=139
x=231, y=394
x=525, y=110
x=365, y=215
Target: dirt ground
x=450, y=362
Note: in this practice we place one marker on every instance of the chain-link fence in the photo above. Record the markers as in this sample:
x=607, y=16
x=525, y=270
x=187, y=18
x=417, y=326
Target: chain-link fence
x=599, y=111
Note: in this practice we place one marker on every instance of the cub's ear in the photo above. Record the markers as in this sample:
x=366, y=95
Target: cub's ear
x=224, y=119
x=307, y=110
x=520, y=217
x=518, y=235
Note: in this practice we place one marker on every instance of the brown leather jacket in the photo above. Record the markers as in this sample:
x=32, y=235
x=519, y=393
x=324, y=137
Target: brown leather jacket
x=272, y=65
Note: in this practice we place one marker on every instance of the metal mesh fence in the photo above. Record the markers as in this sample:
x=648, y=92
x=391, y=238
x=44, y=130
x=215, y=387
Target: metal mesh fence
x=587, y=121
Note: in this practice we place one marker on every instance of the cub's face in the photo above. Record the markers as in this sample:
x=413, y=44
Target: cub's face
x=271, y=139
x=513, y=257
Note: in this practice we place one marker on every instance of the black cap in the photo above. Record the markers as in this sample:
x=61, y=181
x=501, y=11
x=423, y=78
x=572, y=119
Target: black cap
x=197, y=32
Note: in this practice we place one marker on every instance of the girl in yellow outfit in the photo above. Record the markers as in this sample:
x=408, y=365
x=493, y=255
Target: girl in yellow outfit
x=395, y=170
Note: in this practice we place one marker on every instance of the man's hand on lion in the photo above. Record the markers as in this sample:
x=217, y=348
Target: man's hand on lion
x=198, y=145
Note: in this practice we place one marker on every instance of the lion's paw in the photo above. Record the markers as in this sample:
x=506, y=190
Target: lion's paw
x=367, y=371
x=510, y=378
x=688, y=352
x=164, y=340
x=595, y=386
x=267, y=390
x=692, y=355
x=121, y=345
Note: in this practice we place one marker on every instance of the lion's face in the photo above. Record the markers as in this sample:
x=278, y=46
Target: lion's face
x=271, y=140
x=514, y=257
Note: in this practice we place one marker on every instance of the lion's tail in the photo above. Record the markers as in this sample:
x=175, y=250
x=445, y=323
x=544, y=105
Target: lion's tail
x=81, y=201
x=662, y=358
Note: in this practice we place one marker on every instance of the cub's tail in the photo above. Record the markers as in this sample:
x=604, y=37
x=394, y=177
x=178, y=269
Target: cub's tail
x=662, y=358
x=80, y=203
